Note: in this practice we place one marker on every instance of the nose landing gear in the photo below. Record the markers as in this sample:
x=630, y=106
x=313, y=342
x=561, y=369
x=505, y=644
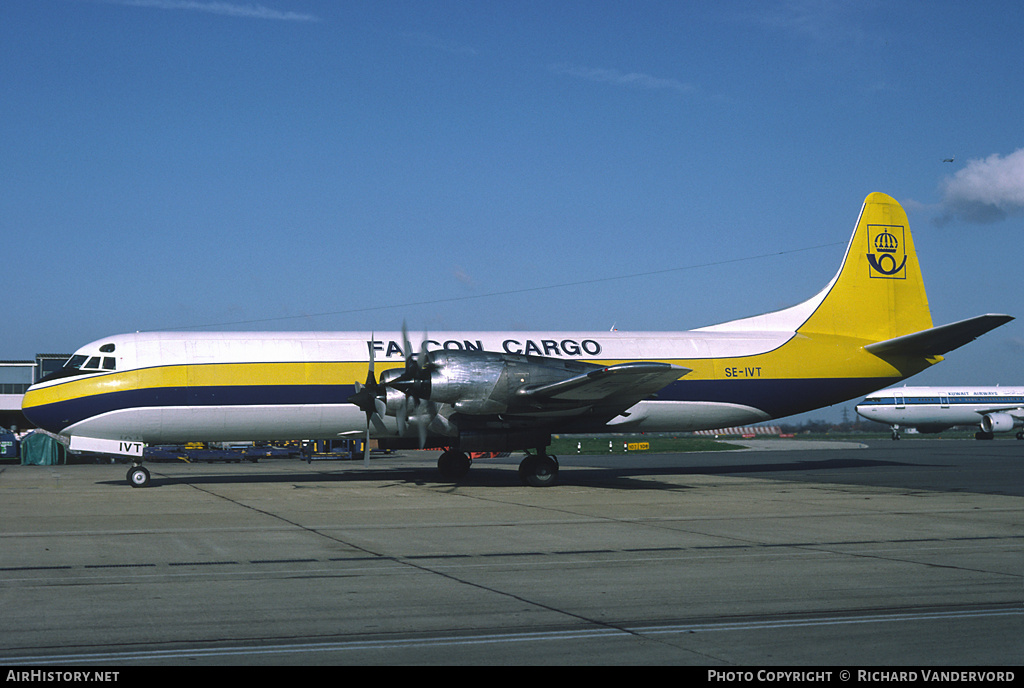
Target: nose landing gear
x=138, y=476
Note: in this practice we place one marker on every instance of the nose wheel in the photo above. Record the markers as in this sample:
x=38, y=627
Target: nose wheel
x=138, y=476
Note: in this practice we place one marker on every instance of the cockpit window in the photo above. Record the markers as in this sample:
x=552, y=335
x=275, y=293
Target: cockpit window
x=79, y=364
x=107, y=349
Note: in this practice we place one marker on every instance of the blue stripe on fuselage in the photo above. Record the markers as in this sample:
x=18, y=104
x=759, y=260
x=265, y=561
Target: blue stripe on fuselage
x=57, y=416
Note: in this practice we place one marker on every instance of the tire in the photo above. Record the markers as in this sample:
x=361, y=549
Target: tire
x=138, y=476
x=539, y=471
x=453, y=465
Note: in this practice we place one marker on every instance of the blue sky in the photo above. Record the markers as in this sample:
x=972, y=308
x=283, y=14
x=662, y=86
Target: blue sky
x=294, y=164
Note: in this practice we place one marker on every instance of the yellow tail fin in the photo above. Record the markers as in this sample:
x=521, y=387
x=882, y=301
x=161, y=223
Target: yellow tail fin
x=878, y=293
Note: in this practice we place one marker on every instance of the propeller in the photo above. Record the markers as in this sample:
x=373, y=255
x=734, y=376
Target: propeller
x=368, y=398
x=414, y=383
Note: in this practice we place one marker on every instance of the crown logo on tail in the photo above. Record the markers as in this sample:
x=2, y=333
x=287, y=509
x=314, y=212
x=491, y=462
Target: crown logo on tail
x=889, y=257
x=886, y=242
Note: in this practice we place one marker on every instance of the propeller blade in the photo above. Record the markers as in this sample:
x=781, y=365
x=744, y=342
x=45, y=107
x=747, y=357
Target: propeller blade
x=424, y=358
x=367, y=398
x=370, y=414
x=424, y=412
x=366, y=448
x=422, y=428
x=410, y=361
x=414, y=384
x=402, y=415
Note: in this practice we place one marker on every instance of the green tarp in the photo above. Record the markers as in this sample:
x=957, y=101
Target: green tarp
x=39, y=449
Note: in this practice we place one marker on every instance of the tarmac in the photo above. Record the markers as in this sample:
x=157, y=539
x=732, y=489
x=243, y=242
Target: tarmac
x=787, y=554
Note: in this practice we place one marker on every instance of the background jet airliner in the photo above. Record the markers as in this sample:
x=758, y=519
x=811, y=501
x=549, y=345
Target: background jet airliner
x=934, y=409
x=497, y=391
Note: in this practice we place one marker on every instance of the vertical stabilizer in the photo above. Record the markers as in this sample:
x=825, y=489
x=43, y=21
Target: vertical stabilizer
x=878, y=293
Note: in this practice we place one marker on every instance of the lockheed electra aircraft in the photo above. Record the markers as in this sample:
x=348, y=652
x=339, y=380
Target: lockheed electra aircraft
x=934, y=409
x=464, y=392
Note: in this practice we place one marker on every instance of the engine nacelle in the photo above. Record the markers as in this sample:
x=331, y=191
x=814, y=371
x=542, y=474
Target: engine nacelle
x=485, y=383
x=472, y=382
x=998, y=422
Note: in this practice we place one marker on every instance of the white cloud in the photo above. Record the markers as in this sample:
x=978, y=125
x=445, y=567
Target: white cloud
x=825, y=22
x=986, y=190
x=619, y=78
x=230, y=9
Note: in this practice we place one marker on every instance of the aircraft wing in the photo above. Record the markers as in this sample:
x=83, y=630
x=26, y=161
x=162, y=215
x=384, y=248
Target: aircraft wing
x=622, y=384
x=939, y=340
x=1017, y=413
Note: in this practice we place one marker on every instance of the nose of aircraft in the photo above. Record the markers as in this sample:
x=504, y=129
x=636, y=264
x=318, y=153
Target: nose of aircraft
x=40, y=411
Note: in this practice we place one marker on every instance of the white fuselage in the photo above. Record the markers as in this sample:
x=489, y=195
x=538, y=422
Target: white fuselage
x=170, y=387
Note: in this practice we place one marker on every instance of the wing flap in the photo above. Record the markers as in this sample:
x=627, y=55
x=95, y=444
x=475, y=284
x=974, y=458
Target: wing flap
x=939, y=340
x=633, y=380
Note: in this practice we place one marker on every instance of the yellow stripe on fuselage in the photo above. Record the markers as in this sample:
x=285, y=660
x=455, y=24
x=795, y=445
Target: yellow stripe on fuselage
x=203, y=375
x=308, y=373
x=108, y=383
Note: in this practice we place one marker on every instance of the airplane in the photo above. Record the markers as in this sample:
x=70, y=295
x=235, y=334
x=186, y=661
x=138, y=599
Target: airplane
x=934, y=409
x=467, y=392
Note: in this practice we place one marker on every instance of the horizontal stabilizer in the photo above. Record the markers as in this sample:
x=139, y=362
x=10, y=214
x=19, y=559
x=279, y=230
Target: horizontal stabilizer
x=939, y=340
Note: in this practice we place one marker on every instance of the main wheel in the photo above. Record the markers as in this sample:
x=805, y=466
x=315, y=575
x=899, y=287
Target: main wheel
x=539, y=470
x=138, y=476
x=453, y=465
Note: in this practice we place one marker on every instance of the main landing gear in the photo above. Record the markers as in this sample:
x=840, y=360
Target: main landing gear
x=982, y=435
x=536, y=470
x=453, y=465
x=539, y=470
